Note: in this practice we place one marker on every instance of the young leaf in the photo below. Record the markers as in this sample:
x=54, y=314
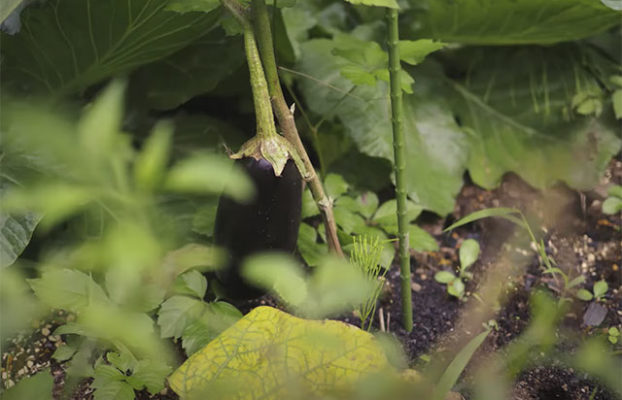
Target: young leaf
x=420, y=240
x=615, y=190
x=150, y=165
x=176, y=313
x=54, y=201
x=386, y=216
x=99, y=127
x=485, y=213
x=584, y=295
x=335, y=185
x=191, y=283
x=612, y=205
x=368, y=204
x=456, y=288
x=348, y=220
x=469, y=251
x=616, y=98
x=311, y=251
x=279, y=273
x=150, y=374
x=65, y=351
x=600, y=288
x=123, y=360
x=209, y=174
x=414, y=52
x=309, y=206
x=444, y=276
x=576, y=281
x=457, y=365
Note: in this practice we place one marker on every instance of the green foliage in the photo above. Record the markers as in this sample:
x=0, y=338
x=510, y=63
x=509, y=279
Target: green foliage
x=613, y=335
x=366, y=254
x=335, y=286
x=598, y=291
x=432, y=135
x=377, y=3
x=457, y=365
x=613, y=203
x=521, y=22
x=469, y=252
x=114, y=282
x=359, y=214
x=544, y=131
x=66, y=46
x=134, y=202
x=38, y=386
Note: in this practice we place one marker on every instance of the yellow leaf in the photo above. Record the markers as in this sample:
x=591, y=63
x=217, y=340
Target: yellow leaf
x=270, y=354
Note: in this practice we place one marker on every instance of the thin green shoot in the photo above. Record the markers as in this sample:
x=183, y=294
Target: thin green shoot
x=518, y=218
x=366, y=253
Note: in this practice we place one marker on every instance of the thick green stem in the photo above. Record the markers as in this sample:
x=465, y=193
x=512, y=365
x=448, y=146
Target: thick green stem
x=261, y=98
x=400, y=166
x=286, y=120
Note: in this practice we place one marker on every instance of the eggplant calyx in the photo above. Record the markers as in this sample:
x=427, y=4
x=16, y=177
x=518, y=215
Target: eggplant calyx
x=276, y=150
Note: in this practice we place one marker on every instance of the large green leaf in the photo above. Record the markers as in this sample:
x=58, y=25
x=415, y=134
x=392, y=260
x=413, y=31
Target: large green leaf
x=192, y=71
x=510, y=21
x=432, y=136
x=269, y=354
x=520, y=116
x=67, y=45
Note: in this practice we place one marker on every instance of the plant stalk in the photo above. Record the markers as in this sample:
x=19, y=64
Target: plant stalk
x=261, y=97
x=286, y=120
x=399, y=166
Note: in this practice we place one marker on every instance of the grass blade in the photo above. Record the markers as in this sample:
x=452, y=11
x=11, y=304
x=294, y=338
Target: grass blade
x=457, y=365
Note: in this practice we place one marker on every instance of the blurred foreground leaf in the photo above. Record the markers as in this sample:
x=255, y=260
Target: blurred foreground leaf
x=38, y=386
x=272, y=355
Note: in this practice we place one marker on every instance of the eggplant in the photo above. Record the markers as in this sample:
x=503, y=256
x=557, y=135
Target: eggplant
x=270, y=221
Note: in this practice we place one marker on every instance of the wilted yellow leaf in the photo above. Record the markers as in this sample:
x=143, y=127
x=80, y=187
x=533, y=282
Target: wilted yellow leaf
x=270, y=354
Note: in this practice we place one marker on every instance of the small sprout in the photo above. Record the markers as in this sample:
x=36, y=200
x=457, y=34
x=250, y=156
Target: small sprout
x=491, y=324
x=614, y=334
x=598, y=291
x=613, y=203
x=469, y=251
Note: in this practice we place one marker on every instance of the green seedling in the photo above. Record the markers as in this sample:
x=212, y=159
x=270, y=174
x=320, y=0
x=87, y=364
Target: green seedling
x=613, y=203
x=366, y=254
x=469, y=251
x=598, y=291
x=613, y=335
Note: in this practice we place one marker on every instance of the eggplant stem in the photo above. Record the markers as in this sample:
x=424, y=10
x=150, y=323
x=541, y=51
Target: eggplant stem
x=261, y=21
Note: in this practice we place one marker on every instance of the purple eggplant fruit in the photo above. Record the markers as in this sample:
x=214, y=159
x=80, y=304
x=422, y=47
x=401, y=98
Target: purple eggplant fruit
x=270, y=221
